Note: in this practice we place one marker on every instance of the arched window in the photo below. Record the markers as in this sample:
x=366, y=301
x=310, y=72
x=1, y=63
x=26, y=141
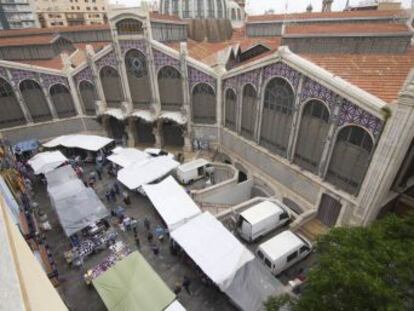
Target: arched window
x=231, y=105
x=219, y=9
x=233, y=14
x=167, y=7
x=10, y=112
x=62, y=100
x=175, y=7
x=112, y=88
x=204, y=104
x=186, y=12
x=139, y=84
x=129, y=27
x=277, y=116
x=238, y=14
x=171, y=90
x=35, y=101
x=350, y=158
x=313, y=131
x=248, y=111
x=200, y=8
x=89, y=97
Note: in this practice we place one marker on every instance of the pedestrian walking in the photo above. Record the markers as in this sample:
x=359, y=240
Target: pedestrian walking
x=126, y=198
x=99, y=171
x=137, y=241
x=177, y=288
x=155, y=249
x=147, y=223
x=108, y=196
x=150, y=237
x=116, y=188
x=186, y=284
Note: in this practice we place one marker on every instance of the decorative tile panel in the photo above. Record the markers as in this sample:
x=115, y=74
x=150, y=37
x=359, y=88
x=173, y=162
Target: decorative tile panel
x=49, y=80
x=20, y=75
x=107, y=60
x=352, y=114
x=133, y=44
x=195, y=76
x=239, y=81
x=85, y=74
x=312, y=89
x=3, y=73
x=162, y=60
x=282, y=70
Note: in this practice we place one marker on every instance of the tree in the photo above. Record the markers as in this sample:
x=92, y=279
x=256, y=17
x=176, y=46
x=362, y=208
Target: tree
x=363, y=269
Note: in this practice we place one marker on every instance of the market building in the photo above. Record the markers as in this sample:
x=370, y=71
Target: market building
x=318, y=105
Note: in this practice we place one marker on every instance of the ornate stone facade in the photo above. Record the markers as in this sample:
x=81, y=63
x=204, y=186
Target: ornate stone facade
x=196, y=76
x=127, y=45
x=84, y=75
x=107, y=60
x=49, y=80
x=161, y=60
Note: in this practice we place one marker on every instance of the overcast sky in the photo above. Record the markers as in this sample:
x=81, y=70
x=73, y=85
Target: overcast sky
x=259, y=6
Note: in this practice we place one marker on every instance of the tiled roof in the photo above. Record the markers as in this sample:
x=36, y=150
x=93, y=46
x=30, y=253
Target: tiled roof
x=327, y=15
x=29, y=40
x=346, y=28
x=51, y=30
x=54, y=63
x=381, y=75
x=162, y=17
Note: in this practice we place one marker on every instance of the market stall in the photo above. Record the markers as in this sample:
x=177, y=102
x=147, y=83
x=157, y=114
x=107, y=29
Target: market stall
x=125, y=157
x=227, y=262
x=45, y=162
x=145, y=172
x=85, y=142
x=172, y=202
x=132, y=285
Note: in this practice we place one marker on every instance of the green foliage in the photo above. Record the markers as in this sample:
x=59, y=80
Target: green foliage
x=276, y=303
x=363, y=269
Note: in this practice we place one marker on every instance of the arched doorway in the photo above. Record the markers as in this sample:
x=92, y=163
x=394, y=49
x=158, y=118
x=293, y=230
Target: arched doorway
x=35, y=101
x=62, y=100
x=112, y=88
x=89, y=96
x=248, y=111
x=204, y=104
x=116, y=129
x=173, y=134
x=10, y=111
x=231, y=105
x=144, y=132
x=138, y=80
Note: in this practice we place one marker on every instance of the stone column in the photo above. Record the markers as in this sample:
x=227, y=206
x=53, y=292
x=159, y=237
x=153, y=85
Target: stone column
x=239, y=110
x=72, y=85
x=330, y=141
x=131, y=132
x=389, y=155
x=259, y=108
x=186, y=109
x=152, y=73
x=48, y=99
x=158, y=137
x=20, y=100
x=101, y=105
x=293, y=136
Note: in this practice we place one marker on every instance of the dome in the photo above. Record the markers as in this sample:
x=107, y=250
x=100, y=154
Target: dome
x=193, y=9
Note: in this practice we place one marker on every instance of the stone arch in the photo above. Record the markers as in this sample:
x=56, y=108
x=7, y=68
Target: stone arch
x=350, y=158
x=313, y=131
x=35, y=100
x=204, y=104
x=88, y=96
x=112, y=87
x=173, y=133
x=62, y=101
x=10, y=112
x=129, y=26
x=170, y=87
x=138, y=78
x=248, y=121
x=277, y=115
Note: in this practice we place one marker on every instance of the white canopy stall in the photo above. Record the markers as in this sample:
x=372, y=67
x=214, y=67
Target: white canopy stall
x=227, y=262
x=45, y=162
x=125, y=157
x=86, y=142
x=145, y=172
x=172, y=202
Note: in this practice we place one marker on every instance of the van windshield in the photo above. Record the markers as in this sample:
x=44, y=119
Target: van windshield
x=268, y=263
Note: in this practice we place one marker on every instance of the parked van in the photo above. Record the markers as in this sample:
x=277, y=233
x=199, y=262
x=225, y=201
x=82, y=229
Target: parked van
x=260, y=219
x=283, y=251
x=193, y=170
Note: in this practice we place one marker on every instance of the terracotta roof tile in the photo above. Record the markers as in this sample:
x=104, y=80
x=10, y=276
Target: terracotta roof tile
x=327, y=15
x=51, y=30
x=54, y=63
x=381, y=75
x=29, y=40
x=347, y=28
x=162, y=17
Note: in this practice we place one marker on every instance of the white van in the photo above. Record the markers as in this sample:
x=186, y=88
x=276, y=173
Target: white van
x=260, y=219
x=193, y=170
x=283, y=251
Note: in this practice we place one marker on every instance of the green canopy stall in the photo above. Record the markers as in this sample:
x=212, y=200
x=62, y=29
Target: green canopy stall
x=132, y=285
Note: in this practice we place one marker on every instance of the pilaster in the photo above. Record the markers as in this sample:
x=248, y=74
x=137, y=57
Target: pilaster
x=259, y=108
x=239, y=110
x=72, y=87
x=186, y=95
x=96, y=79
x=48, y=99
x=295, y=122
x=130, y=132
x=20, y=100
